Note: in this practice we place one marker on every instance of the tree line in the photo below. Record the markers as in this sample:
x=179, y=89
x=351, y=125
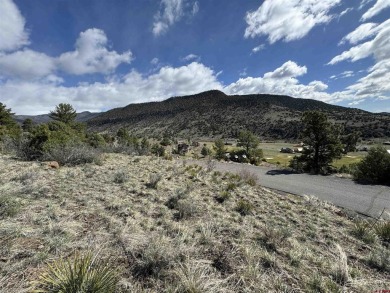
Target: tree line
x=68, y=142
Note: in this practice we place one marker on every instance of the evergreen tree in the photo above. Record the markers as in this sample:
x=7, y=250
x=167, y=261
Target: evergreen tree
x=64, y=113
x=219, y=148
x=322, y=142
x=248, y=141
x=350, y=141
x=8, y=125
x=27, y=125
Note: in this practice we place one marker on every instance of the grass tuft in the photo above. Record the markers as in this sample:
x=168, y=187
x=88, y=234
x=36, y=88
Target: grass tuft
x=244, y=207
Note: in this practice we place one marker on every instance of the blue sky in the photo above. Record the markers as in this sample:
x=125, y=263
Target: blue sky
x=99, y=55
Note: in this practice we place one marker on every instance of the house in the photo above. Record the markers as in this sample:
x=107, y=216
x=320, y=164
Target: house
x=298, y=150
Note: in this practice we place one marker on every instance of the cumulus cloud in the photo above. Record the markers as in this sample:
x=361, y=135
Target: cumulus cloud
x=287, y=70
x=376, y=9
x=282, y=81
x=172, y=11
x=26, y=64
x=191, y=57
x=38, y=97
x=287, y=20
x=12, y=31
x=91, y=55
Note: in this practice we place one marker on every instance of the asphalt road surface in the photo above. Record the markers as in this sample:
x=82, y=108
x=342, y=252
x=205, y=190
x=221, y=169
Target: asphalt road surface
x=369, y=200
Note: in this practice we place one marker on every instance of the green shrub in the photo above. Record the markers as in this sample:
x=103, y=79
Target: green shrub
x=382, y=229
x=375, y=167
x=121, y=177
x=85, y=273
x=244, y=207
x=379, y=259
x=158, y=150
x=363, y=230
x=205, y=151
x=223, y=196
x=348, y=169
x=231, y=186
x=9, y=206
x=72, y=154
x=274, y=238
x=154, y=179
x=185, y=209
x=153, y=258
x=96, y=140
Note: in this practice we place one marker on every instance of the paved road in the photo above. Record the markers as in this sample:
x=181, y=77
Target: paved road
x=369, y=200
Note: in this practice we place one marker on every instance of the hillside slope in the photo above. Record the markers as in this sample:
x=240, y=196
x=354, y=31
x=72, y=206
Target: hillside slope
x=193, y=231
x=213, y=113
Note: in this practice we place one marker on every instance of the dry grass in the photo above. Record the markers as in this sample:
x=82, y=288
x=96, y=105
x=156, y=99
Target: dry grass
x=161, y=225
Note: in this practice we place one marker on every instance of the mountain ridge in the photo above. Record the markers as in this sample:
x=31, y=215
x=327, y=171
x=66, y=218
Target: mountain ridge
x=44, y=118
x=213, y=113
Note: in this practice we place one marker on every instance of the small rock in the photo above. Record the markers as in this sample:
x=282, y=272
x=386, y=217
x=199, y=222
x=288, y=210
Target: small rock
x=53, y=165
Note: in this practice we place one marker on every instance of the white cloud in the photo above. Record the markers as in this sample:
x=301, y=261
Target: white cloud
x=281, y=81
x=376, y=9
x=154, y=61
x=195, y=8
x=345, y=11
x=288, y=20
x=12, y=31
x=364, y=3
x=344, y=74
x=26, y=64
x=243, y=72
x=91, y=55
x=172, y=11
x=191, y=57
x=374, y=85
x=379, y=47
x=354, y=103
x=258, y=48
x=38, y=97
x=361, y=33
x=287, y=70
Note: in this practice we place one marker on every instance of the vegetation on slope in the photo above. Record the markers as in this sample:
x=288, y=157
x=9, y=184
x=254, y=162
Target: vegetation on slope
x=213, y=113
x=167, y=226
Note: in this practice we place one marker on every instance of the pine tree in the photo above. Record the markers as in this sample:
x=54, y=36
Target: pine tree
x=64, y=113
x=322, y=142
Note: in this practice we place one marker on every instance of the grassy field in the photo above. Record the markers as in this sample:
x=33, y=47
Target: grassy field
x=272, y=154
x=166, y=226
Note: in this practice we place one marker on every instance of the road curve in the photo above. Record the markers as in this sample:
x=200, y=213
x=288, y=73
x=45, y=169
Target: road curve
x=368, y=200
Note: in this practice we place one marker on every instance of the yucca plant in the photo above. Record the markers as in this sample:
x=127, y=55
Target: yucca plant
x=363, y=230
x=382, y=229
x=83, y=274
